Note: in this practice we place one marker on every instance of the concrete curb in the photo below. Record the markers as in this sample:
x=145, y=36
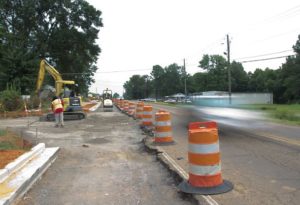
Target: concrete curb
x=14, y=166
x=179, y=173
x=18, y=183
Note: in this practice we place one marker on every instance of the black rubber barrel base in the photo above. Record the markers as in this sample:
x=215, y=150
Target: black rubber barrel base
x=223, y=188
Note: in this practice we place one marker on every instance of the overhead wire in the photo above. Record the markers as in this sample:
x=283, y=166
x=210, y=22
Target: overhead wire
x=265, y=59
x=267, y=54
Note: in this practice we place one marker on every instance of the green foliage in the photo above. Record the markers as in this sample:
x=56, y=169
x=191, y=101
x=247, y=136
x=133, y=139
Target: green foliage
x=216, y=69
x=33, y=102
x=63, y=32
x=289, y=114
x=157, y=75
x=138, y=87
x=163, y=82
x=10, y=99
x=286, y=115
x=116, y=95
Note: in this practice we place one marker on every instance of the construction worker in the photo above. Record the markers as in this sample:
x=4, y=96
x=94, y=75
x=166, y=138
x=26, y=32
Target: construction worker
x=57, y=106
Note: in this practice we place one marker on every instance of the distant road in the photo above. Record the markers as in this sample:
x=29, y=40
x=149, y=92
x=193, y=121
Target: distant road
x=259, y=157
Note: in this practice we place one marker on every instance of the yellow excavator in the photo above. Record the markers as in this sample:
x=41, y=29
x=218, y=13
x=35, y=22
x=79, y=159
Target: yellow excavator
x=72, y=103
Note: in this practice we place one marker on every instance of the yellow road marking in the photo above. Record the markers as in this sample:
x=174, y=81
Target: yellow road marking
x=280, y=139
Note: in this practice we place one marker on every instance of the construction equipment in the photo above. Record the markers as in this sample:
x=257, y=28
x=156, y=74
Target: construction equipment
x=107, y=100
x=72, y=103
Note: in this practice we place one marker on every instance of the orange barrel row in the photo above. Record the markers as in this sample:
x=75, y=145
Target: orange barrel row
x=163, y=129
x=139, y=110
x=147, y=116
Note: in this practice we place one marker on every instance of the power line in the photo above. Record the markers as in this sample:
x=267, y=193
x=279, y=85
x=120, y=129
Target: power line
x=267, y=54
x=114, y=71
x=265, y=59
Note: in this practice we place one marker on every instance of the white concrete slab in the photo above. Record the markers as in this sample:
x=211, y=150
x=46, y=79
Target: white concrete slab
x=17, y=164
x=20, y=182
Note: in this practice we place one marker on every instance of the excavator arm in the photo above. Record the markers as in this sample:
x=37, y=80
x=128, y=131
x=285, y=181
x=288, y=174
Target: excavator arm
x=72, y=105
x=59, y=82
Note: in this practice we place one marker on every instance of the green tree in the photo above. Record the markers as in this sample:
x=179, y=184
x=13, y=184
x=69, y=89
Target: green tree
x=215, y=67
x=157, y=75
x=63, y=32
x=116, y=95
x=239, y=77
x=172, y=80
x=200, y=81
x=135, y=87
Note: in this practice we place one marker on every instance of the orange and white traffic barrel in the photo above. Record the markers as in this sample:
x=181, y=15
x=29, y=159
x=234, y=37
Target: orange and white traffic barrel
x=204, y=161
x=163, y=128
x=147, y=116
x=126, y=106
x=131, y=108
x=139, y=110
x=120, y=104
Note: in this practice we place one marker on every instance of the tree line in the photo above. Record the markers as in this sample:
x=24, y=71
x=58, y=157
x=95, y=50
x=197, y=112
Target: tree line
x=63, y=32
x=283, y=82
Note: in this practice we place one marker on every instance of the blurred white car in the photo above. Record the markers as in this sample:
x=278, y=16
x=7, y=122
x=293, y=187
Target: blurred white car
x=170, y=101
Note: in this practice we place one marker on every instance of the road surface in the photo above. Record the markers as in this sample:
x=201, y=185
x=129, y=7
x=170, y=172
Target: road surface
x=260, y=158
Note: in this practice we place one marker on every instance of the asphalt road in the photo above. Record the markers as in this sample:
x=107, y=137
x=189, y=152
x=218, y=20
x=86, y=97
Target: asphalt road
x=260, y=158
x=101, y=161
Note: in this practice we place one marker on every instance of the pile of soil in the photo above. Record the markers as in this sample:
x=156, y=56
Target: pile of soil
x=7, y=156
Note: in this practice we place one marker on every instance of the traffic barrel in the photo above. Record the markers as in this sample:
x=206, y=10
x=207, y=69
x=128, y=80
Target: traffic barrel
x=163, y=128
x=204, y=161
x=121, y=106
x=131, y=108
x=139, y=110
x=126, y=106
x=147, y=116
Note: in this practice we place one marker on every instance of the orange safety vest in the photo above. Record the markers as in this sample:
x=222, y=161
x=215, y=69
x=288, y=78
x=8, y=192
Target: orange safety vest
x=57, y=104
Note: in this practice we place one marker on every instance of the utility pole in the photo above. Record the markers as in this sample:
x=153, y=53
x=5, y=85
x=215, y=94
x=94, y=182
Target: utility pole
x=228, y=69
x=185, y=91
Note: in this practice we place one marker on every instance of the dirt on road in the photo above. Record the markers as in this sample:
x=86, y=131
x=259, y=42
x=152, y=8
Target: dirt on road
x=101, y=161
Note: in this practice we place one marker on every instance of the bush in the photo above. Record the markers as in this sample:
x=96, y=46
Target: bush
x=10, y=99
x=33, y=102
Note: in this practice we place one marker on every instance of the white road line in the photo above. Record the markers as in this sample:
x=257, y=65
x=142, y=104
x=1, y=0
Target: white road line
x=185, y=175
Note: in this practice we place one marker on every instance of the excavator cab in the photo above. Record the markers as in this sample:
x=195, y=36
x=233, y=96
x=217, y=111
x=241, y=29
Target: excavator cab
x=72, y=102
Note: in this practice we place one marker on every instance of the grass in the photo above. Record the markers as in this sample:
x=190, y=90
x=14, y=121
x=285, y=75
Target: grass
x=12, y=141
x=288, y=114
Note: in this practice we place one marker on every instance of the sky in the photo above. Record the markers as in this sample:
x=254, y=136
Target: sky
x=138, y=34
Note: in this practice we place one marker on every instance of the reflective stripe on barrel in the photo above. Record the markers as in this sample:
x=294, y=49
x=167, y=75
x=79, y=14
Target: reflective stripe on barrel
x=204, y=155
x=131, y=108
x=126, y=106
x=163, y=129
x=147, y=115
x=139, y=110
